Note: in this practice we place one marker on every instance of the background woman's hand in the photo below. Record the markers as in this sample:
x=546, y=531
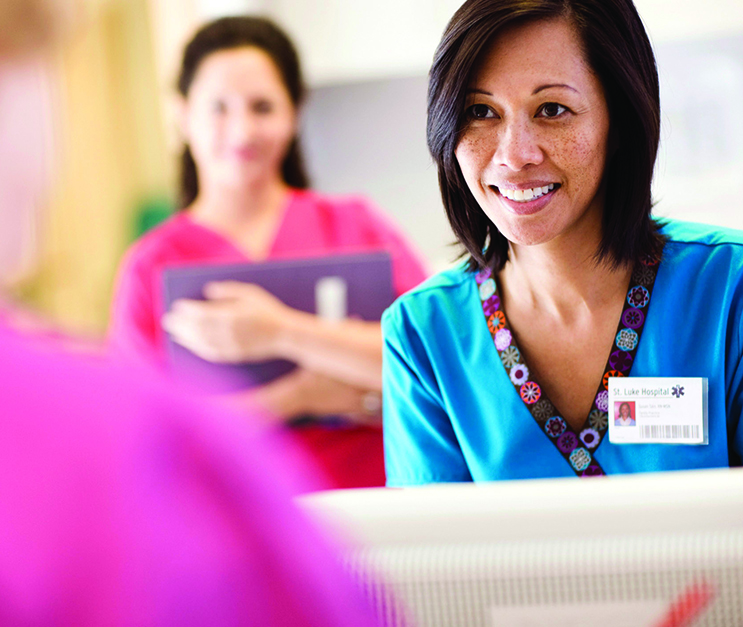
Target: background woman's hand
x=306, y=393
x=238, y=322
x=242, y=322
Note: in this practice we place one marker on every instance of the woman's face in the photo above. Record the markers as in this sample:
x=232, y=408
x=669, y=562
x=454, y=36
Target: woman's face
x=535, y=147
x=624, y=411
x=239, y=119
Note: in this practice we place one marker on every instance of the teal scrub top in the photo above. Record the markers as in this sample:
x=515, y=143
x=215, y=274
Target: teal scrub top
x=451, y=413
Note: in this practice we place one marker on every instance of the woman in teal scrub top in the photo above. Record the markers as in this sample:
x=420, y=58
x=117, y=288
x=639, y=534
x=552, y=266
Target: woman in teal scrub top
x=543, y=119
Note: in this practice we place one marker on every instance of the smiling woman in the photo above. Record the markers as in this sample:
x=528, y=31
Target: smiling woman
x=523, y=135
x=543, y=120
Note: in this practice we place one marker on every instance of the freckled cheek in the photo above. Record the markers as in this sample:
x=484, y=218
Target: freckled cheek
x=582, y=154
x=474, y=153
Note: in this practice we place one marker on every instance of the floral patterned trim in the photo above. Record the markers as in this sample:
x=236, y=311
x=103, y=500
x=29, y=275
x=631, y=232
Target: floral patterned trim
x=577, y=448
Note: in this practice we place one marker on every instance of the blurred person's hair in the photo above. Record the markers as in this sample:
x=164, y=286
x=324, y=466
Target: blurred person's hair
x=238, y=32
x=617, y=49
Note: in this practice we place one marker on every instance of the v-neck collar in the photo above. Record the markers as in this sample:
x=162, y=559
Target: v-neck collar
x=576, y=446
x=228, y=243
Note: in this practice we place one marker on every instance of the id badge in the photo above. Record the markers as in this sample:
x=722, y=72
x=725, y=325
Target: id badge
x=658, y=410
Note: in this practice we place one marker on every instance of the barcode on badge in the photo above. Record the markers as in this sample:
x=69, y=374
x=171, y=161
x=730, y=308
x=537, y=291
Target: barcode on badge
x=669, y=432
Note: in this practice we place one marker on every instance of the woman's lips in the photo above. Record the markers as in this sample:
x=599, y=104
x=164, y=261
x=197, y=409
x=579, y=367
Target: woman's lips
x=526, y=207
x=246, y=153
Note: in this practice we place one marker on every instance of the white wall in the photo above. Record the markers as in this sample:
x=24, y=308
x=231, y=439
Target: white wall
x=211, y=9
x=350, y=40
x=700, y=167
x=675, y=20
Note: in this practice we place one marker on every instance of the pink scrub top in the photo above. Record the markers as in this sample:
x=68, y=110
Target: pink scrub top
x=313, y=225
x=126, y=502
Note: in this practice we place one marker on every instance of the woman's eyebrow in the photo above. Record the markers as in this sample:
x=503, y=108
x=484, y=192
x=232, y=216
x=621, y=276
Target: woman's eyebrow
x=477, y=90
x=551, y=85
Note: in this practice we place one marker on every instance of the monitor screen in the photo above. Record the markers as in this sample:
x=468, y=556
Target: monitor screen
x=652, y=549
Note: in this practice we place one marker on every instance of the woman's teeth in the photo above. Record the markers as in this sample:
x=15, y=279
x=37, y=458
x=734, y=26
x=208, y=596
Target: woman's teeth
x=525, y=195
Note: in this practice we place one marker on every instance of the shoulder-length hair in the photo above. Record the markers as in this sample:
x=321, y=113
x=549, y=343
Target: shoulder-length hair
x=236, y=32
x=619, y=52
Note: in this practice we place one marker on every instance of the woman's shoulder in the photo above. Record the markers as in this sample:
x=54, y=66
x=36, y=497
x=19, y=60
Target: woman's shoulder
x=679, y=232
x=161, y=243
x=353, y=210
x=693, y=249
x=332, y=202
x=353, y=220
x=157, y=236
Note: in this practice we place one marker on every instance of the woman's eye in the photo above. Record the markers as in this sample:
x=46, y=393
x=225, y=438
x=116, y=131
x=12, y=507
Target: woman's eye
x=552, y=110
x=263, y=106
x=479, y=112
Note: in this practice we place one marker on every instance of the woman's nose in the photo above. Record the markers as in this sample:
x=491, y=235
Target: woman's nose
x=518, y=146
x=244, y=125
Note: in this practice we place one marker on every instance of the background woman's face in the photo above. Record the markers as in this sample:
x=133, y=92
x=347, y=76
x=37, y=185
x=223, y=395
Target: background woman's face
x=535, y=147
x=624, y=411
x=239, y=118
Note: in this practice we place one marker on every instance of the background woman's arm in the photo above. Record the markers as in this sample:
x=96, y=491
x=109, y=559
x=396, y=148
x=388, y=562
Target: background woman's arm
x=242, y=322
x=304, y=393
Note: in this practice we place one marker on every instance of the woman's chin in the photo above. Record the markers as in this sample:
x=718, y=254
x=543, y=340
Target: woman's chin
x=548, y=228
x=527, y=234
x=243, y=177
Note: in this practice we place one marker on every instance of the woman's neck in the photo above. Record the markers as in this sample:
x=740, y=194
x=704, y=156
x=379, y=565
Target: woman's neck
x=233, y=208
x=562, y=279
x=249, y=217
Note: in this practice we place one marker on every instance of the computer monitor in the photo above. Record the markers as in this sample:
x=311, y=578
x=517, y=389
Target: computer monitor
x=661, y=549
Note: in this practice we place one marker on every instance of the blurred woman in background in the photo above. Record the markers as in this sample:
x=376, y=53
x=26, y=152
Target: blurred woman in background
x=245, y=198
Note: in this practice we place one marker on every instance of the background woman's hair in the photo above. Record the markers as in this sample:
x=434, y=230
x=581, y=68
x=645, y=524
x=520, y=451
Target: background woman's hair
x=618, y=50
x=237, y=32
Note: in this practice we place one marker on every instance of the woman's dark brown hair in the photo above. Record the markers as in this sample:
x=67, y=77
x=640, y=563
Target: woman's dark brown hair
x=237, y=32
x=619, y=52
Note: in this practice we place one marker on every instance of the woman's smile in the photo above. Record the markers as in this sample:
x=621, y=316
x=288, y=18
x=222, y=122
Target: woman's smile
x=526, y=199
x=246, y=153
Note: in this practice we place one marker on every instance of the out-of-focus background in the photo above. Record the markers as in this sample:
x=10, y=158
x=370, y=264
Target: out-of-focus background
x=364, y=125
